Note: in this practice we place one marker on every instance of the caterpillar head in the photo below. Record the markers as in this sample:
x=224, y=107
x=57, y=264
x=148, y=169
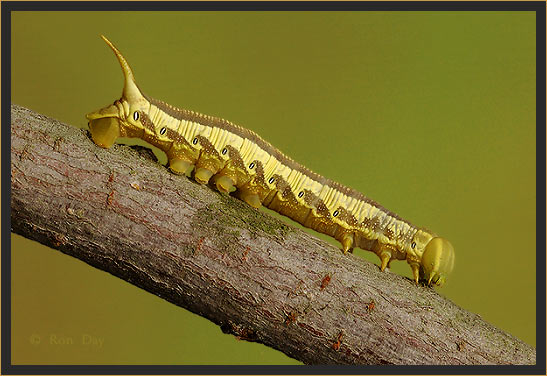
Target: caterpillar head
x=437, y=260
x=123, y=117
x=437, y=257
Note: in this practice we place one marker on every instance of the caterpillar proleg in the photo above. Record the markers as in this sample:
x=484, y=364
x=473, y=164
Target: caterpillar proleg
x=236, y=160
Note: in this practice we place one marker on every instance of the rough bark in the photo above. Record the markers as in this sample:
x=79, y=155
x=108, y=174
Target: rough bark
x=255, y=276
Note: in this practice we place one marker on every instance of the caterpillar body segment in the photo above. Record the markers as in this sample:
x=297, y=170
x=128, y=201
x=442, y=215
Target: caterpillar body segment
x=238, y=161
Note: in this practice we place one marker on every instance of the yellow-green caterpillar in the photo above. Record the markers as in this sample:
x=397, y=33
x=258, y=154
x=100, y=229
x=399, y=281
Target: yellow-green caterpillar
x=238, y=161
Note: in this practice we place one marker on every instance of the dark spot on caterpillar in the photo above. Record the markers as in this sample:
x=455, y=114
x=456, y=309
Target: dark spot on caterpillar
x=136, y=115
x=147, y=123
x=347, y=217
x=212, y=153
x=280, y=183
x=413, y=245
x=301, y=194
x=335, y=214
x=224, y=151
x=259, y=177
x=271, y=180
x=195, y=141
x=322, y=209
x=162, y=131
x=252, y=165
x=177, y=138
x=325, y=282
x=287, y=193
x=310, y=198
x=375, y=223
x=235, y=158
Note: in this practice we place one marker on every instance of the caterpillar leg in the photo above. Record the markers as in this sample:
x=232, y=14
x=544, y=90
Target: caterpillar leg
x=180, y=166
x=202, y=175
x=250, y=198
x=224, y=184
x=347, y=242
x=385, y=257
x=386, y=253
x=415, y=271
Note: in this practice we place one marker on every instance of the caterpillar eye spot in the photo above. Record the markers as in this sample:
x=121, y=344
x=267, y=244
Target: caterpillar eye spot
x=413, y=245
x=195, y=141
x=224, y=151
x=271, y=180
x=252, y=165
x=163, y=130
x=335, y=214
x=301, y=194
x=136, y=115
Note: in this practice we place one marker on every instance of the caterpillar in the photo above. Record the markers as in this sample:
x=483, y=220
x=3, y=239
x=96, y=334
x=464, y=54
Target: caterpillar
x=237, y=161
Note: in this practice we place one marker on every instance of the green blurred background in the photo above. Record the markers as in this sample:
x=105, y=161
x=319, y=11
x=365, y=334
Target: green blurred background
x=432, y=114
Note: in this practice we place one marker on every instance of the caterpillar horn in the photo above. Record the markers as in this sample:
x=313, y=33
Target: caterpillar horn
x=130, y=89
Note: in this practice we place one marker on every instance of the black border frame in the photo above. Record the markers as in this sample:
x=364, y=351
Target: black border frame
x=537, y=6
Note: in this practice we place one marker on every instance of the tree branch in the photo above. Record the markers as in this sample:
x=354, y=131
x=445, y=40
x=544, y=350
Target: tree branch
x=255, y=276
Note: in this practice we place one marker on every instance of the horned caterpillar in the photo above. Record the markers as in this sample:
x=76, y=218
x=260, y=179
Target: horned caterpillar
x=238, y=161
